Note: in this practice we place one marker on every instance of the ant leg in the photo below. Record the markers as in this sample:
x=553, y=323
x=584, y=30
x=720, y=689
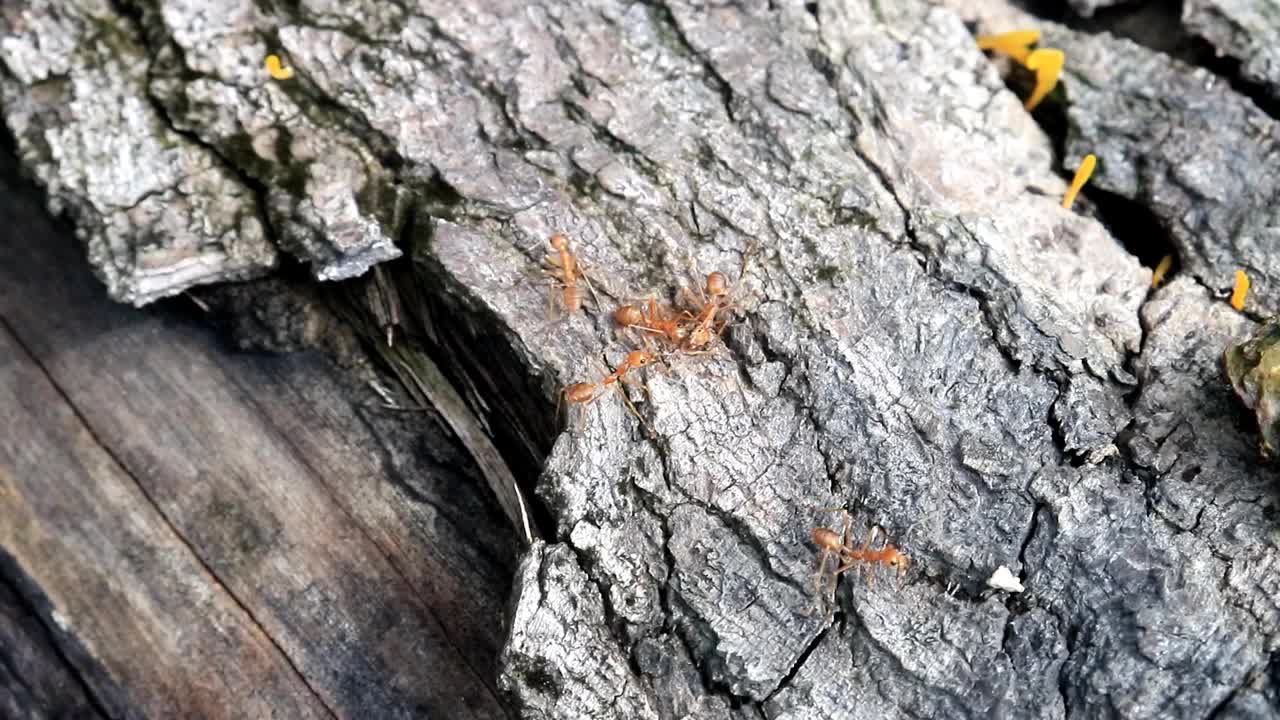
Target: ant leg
x=851, y=564
x=583, y=409
x=752, y=248
x=871, y=537
x=630, y=406
x=649, y=343
x=820, y=585
x=866, y=547
x=553, y=285
x=582, y=274
x=648, y=329
x=819, y=577
x=844, y=513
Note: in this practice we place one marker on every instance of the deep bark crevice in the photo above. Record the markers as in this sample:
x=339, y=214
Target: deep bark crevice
x=71, y=656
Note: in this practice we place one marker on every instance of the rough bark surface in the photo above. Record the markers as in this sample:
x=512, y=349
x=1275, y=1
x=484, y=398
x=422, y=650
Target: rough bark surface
x=1194, y=162
x=1245, y=30
x=926, y=339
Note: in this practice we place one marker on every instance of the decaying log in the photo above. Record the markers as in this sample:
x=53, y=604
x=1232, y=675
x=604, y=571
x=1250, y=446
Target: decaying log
x=210, y=535
x=925, y=337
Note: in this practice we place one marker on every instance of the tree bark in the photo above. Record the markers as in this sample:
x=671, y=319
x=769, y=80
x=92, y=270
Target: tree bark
x=923, y=336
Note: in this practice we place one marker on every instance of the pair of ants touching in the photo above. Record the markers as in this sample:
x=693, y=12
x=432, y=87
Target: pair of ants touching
x=690, y=330
x=838, y=554
x=687, y=327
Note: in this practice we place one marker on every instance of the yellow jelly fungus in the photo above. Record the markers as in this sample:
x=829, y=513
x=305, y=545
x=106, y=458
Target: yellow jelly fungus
x=1162, y=269
x=1082, y=176
x=1047, y=64
x=1241, y=290
x=1016, y=44
x=278, y=71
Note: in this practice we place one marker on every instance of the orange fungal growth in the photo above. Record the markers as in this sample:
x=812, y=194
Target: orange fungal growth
x=278, y=71
x=1083, y=173
x=1241, y=290
x=1047, y=64
x=1162, y=269
x=1016, y=44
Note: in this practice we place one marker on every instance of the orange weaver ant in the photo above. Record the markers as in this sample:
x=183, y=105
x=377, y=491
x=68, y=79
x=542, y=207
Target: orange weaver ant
x=584, y=393
x=700, y=326
x=566, y=272
x=685, y=331
x=653, y=319
x=836, y=546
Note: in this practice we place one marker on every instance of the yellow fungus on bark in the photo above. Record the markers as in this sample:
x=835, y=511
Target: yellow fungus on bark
x=1241, y=290
x=1082, y=176
x=1162, y=269
x=1016, y=44
x=1047, y=64
x=278, y=71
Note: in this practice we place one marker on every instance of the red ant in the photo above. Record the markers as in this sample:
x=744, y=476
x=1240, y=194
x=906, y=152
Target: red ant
x=686, y=331
x=652, y=320
x=567, y=271
x=583, y=393
x=835, y=545
x=700, y=333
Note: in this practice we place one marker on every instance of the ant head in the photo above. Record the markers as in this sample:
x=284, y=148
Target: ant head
x=559, y=242
x=717, y=284
x=628, y=315
x=699, y=337
x=640, y=358
x=899, y=561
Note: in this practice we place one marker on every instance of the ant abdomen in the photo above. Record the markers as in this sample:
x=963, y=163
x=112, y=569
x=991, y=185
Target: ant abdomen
x=579, y=393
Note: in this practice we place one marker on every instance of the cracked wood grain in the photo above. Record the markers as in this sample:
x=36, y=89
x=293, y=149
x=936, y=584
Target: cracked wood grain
x=116, y=559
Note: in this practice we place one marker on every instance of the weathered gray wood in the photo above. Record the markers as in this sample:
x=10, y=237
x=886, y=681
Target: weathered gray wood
x=229, y=535
x=113, y=577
